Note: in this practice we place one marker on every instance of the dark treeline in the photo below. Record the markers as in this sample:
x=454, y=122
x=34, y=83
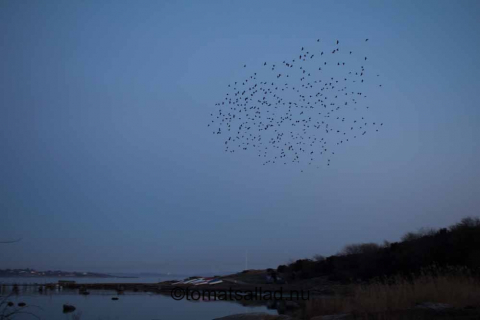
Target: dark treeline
x=458, y=245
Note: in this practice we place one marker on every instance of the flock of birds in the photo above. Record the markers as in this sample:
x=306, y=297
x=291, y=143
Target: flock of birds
x=300, y=110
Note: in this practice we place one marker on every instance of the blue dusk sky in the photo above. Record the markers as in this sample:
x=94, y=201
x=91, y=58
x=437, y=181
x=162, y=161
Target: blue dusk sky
x=107, y=163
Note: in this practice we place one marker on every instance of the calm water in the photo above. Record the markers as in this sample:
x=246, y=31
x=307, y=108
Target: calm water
x=130, y=306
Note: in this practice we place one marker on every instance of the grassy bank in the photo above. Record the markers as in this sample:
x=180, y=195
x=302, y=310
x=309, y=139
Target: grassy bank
x=389, y=298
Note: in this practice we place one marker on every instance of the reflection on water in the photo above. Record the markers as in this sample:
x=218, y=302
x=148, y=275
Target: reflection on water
x=98, y=305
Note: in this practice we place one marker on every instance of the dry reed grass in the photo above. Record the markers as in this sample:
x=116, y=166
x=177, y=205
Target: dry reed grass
x=453, y=286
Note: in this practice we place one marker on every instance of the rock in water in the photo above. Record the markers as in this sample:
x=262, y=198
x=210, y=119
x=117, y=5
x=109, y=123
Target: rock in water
x=68, y=308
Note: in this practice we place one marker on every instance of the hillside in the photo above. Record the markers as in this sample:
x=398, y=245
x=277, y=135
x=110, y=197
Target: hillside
x=455, y=246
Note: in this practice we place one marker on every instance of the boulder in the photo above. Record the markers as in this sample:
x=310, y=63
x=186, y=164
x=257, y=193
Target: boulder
x=68, y=308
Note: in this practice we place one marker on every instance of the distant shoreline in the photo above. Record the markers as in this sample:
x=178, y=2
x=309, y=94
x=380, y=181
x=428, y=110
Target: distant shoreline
x=63, y=276
x=32, y=273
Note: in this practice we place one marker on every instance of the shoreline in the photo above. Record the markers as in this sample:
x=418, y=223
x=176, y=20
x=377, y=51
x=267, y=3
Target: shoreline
x=167, y=288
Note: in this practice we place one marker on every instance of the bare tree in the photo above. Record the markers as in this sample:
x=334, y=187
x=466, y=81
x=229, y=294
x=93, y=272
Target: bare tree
x=8, y=310
x=466, y=223
x=318, y=257
x=359, y=249
x=11, y=241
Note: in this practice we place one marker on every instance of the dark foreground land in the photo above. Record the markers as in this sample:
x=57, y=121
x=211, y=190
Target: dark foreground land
x=451, y=293
x=430, y=274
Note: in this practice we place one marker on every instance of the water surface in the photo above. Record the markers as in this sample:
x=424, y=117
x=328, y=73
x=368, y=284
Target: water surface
x=130, y=306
